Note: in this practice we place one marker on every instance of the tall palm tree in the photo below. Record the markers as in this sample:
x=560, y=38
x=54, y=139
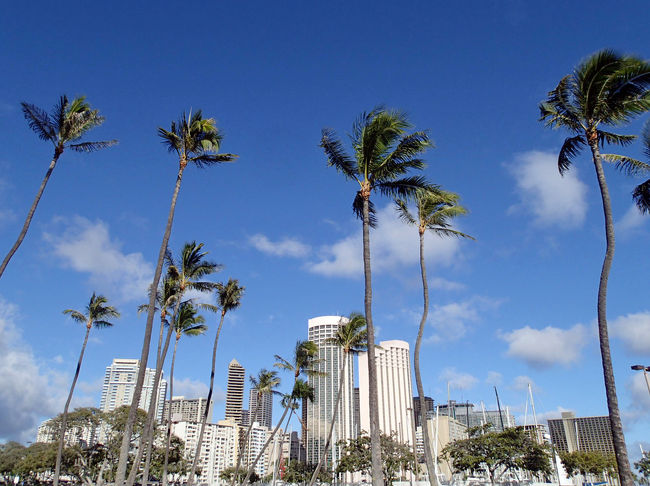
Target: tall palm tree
x=352, y=338
x=228, y=299
x=187, y=274
x=265, y=383
x=196, y=141
x=605, y=90
x=383, y=156
x=641, y=192
x=64, y=127
x=435, y=209
x=187, y=322
x=96, y=315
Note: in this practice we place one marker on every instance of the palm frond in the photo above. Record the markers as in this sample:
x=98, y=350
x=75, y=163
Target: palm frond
x=76, y=315
x=39, y=121
x=357, y=209
x=627, y=165
x=401, y=188
x=559, y=108
x=570, y=148
x=169, y=138
x=59, y=112
x=641, y=196
x=408, y=148
x=206, y=160
x=645, y=139
x=91, y=146
x=100, y=324
x=615, y=138
x=403, y=212
x=336, y=155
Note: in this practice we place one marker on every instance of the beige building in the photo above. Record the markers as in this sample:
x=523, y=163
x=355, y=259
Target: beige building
x=587, y=434
x=442, y=431
x=187, y=409
x=235, y=391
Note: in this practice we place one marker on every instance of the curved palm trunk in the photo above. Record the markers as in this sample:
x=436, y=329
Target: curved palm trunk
x=64, y=419
x=146, y=439
x=266, y=444
x=375, y=445
x=428, y=456
x=339, y=394
x=128, y=429
x=618, y=438
x=245, y=443
x=169, y=419
x=195, y=462
x=21, y=236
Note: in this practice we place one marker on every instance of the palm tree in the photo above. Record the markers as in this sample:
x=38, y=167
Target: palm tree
x=67, y=123
x=187, y=322
x=97, y=315
x=352, y=338
x=435, y=208
x=228, y=299
x=641, y=192
x=264, y=384
x=186, y=274
x=383, y=156
x=605, y=90
x=195, y=140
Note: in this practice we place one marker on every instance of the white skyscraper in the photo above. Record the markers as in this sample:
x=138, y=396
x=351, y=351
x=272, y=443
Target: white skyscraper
x=394, y=389
x=320, y=412
x=119, y=386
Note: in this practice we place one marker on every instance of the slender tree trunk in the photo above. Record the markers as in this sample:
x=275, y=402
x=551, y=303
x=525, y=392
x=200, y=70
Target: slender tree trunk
x=147, y=437
x=266, y=444
x=64, y=419
x=245, y=443
x=375, y=444
x=197, y=452
x=428, y=456
x=618, y=437
x=21, y=236
x=339, y=394
x=128, y=429
x=169, y=419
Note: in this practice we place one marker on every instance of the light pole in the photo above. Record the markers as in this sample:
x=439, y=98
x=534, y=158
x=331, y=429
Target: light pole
x=645, y=370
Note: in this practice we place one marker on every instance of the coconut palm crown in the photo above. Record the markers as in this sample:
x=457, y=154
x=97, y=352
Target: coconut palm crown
x=641, y=192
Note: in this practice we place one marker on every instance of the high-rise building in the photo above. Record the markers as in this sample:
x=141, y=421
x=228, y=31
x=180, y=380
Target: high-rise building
x=394, y=389
x=235, y=391
x=464, y=412
x=187, y=409
x=321, y=410
x=264, y=415
x=119, y=386
x=586, y=434
x=428, y=402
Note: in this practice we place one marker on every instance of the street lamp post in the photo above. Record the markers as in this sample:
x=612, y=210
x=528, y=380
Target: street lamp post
x=645, y=370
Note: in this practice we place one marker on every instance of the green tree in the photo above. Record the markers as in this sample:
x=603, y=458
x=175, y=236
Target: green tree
x=228, y=474
x=641, y=192
x=229, y=297
x=64, y=127
x=643, y=466
x=196, y=141
x=383, y=156
x=96, y=315
x=435, y=210
x=606, y=90
x=11, y=453
x=497, y=452
x=352, y=338
x=356, y=456
x=589, y=463
x=187, y=322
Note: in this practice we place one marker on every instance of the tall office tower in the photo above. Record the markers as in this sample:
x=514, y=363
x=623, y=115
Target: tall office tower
x=428, y=402
x=119, y=385
x=235, y=391
x=394, y=389
x=321, y=410
x=586, y=434
x=264, y=415
x=187, y=409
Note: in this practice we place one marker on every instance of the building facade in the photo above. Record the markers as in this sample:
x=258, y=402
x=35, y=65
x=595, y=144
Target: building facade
x=264, y=416
x=319, y=413
x=586, y=434
x=119, y=386
x=428, y=402
x=187, y=409
x=235, y=391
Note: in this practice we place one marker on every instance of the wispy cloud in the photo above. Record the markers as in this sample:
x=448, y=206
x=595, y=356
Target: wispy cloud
x=86, y=246
x=631, y=220
x=494, y=378
x=552, y=199
x=543, y=348
x=634, y=331
x=286, y=247
x=452, y=321
x=190, y=388
x=457, y=380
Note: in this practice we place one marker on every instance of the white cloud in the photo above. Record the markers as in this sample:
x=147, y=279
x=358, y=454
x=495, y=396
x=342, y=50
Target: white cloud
x=638, y=389
x=458, y=380
x=494, y=378
x=631, y=220
x=440, y=283
x=290, y=247
x=634, y=331
x=521, y=383
x=553, y=200
x=452, y=321
x=86, y=246
x=552, y=414
x=393, y=244
x=190, y=388
x=542, y=348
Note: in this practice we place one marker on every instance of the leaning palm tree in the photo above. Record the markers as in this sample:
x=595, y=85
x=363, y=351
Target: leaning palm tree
x=265, y=383
x=64, y=127
x=352, y=338
x=383, y=156
x=228, y=299
x=186, y=274
x=435, y=210
x=187, y=322
x=96, y=315
x=606, y=90
x=196, y=141
x=641, y=192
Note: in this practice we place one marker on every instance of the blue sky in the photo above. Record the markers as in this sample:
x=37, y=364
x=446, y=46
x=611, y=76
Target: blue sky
x=515, y=307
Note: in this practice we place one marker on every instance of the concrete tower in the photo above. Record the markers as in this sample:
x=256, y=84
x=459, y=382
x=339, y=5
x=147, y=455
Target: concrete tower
x=235, y=391
x=264, y=415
